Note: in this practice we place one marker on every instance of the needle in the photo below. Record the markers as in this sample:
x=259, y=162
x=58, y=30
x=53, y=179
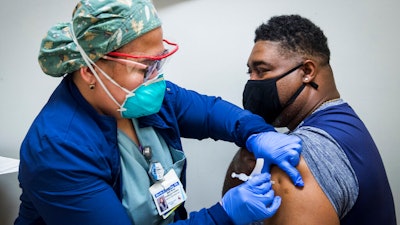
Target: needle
x=244, y=177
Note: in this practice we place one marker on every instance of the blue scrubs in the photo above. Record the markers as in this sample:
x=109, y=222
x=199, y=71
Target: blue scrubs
x=70, y=163
x=374, y=203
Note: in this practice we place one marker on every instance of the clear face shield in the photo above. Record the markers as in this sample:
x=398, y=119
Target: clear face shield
x=148, y=64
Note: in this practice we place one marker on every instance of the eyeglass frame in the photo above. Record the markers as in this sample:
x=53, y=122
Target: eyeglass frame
x=159, y=60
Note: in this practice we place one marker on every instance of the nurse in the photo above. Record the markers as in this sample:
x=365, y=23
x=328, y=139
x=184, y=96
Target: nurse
x=106, y=147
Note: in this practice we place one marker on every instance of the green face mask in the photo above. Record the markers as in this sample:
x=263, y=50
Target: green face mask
x=145, y=99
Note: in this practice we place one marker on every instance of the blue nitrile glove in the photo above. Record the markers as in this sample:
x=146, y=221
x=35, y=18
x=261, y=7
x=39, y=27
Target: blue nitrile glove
x=251, y=201
x=280, y=149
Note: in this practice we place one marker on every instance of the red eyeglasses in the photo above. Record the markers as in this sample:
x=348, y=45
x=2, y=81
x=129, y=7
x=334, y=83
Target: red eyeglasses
x=156, y=64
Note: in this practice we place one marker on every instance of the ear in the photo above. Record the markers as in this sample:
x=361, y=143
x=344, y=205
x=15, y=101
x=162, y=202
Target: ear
x=87, y=75
x=310, y=72
x=309, y=69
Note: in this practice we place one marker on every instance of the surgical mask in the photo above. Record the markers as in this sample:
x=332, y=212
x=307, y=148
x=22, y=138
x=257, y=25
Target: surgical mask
x=261, y=97
x=144, y=100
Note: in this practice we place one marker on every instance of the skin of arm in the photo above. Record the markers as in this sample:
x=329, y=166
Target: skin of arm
x=307, y=205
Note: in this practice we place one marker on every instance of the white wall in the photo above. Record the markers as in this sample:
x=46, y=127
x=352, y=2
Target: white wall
x=215, y=39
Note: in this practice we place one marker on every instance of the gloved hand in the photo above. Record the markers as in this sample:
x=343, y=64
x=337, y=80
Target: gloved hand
x=280, y=149
x=251, y=201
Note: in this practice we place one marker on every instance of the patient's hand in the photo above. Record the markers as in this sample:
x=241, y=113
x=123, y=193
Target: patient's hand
x=300, y=205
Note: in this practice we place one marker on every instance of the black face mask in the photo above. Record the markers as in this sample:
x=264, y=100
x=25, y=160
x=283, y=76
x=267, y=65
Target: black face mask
x=261, y=96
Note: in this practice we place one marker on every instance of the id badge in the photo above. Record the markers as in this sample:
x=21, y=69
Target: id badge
x=168, y=194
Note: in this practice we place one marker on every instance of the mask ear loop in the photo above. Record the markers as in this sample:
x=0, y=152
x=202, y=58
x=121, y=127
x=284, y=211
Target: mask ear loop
x=294, y=96
x=89, y=63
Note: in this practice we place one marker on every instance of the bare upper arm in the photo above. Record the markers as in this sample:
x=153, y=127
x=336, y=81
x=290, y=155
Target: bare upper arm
x=307, y=205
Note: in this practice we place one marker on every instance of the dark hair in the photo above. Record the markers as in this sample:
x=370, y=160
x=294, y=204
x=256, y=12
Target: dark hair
x=295, y=34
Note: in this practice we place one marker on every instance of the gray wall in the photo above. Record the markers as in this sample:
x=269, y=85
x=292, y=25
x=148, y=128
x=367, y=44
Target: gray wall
x=215, y=39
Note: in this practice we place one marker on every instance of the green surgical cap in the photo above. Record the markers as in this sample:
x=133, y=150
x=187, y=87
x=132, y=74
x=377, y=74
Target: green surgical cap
x=100, y=27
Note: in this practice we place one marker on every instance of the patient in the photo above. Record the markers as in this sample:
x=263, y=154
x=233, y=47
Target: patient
x=292, y=85
x=307, y=205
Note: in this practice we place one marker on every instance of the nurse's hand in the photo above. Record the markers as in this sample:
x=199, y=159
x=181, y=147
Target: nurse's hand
x=280, y=149
x=251, y=201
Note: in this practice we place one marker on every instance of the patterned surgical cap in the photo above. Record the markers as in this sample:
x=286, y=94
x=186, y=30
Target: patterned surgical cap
x=100, y=27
